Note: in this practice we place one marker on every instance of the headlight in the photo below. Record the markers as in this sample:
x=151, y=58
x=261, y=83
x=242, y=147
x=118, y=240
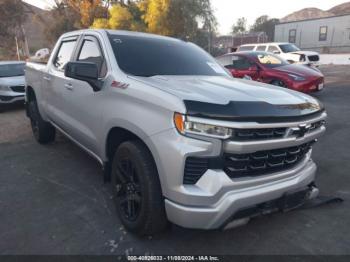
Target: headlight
x=4, y=88
x=186, y=127
x=297, y=78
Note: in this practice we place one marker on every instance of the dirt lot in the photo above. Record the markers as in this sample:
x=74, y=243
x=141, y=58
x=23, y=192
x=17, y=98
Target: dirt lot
x=53, y=200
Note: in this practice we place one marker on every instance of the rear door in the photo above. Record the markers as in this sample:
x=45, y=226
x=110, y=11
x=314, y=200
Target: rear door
x=54, y=81
x=80, y=101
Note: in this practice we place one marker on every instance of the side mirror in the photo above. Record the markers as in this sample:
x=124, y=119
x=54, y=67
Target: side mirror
x=276, y=52
x=84, y=71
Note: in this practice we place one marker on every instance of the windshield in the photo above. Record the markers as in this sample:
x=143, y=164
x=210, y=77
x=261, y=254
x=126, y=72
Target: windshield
x=270, y=60
x=10, y=70
x=288, y=48
x=149, y=56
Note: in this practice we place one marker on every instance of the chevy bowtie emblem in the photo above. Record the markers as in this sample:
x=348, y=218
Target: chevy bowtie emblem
x=303, y=129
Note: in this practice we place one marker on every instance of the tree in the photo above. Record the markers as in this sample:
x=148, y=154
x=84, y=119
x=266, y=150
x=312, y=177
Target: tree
x=265, y=24
x=87, y=9
x=240, y=26
x=63, y=19
x=191, y=20
x=123, y=17
x=156, y=16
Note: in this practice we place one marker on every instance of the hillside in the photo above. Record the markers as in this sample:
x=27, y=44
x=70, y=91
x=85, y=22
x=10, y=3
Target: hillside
x=340, y=9
x=311, y=13
x=35, y=26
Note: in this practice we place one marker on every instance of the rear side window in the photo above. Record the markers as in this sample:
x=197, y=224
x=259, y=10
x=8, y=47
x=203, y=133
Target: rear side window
x=90, y=52
x=246, y=48
x=261, y=48
x=64, y=54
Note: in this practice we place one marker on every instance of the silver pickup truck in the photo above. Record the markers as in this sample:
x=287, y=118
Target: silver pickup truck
x=178, y=137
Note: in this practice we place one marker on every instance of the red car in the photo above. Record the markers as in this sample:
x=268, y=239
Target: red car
x=269, y=68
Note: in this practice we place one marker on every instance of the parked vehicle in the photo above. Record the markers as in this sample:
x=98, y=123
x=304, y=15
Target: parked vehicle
x=180, y=139
x=271, y=69
x=287, y=51
x=11, y=82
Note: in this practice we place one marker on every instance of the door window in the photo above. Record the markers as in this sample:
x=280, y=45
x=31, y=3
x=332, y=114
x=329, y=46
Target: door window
x=90, y=52
x=261, y=48
x=273, y=49
x=64, y=54
x=239, y=63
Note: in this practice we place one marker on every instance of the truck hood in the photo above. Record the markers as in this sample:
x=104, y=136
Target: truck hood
x=307, y=53
x=229, y=98
x=12, y=81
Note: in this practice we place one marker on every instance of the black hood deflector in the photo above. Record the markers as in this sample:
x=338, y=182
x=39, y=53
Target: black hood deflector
x=256, y=111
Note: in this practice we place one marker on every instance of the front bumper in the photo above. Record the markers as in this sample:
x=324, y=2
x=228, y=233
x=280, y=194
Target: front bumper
x=217, y=215
x=9, y=97
x=308, y=86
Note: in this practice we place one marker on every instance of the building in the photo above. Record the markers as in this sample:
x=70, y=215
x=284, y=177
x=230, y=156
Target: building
x=232, y=42
x=324, y=35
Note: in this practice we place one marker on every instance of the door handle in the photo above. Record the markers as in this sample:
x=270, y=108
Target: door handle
x=68, y=86
x=47, y=78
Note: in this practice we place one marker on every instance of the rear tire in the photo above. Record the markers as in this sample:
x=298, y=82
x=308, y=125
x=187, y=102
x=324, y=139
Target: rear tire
x=136, y=188
x=43, y=131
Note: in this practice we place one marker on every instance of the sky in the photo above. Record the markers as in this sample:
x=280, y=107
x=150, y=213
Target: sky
x=228, y=11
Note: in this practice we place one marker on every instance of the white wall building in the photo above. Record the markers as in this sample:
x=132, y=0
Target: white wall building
x=325, y=35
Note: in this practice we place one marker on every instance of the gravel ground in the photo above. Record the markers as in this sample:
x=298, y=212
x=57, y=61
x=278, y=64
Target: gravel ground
x=53, y=200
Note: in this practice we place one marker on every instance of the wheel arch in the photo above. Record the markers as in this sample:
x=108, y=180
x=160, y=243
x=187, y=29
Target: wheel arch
x=115, y=137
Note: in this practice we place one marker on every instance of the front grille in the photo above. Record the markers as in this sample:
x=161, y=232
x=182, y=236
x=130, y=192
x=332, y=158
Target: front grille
x=263, y=162
x=314, y=58
x=258, y=134
x=18, y=89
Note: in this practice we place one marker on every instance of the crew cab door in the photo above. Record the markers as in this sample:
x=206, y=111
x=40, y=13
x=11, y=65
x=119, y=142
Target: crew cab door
x=80, y=101
x=54, y=81
x=242, y=67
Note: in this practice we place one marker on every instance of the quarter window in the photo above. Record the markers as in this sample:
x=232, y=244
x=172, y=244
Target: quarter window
x=292, y=35
x=90, y=52
x=64, y=54
x=323, y=33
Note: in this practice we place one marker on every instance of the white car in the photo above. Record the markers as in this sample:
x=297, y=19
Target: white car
x=287, y=51
x=11, y=82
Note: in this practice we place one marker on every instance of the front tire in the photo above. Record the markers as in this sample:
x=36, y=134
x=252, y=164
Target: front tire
x=43, y=131
x=279, y=83
x=136, y=189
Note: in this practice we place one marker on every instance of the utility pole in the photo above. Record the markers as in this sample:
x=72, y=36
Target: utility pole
x=18, y=56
